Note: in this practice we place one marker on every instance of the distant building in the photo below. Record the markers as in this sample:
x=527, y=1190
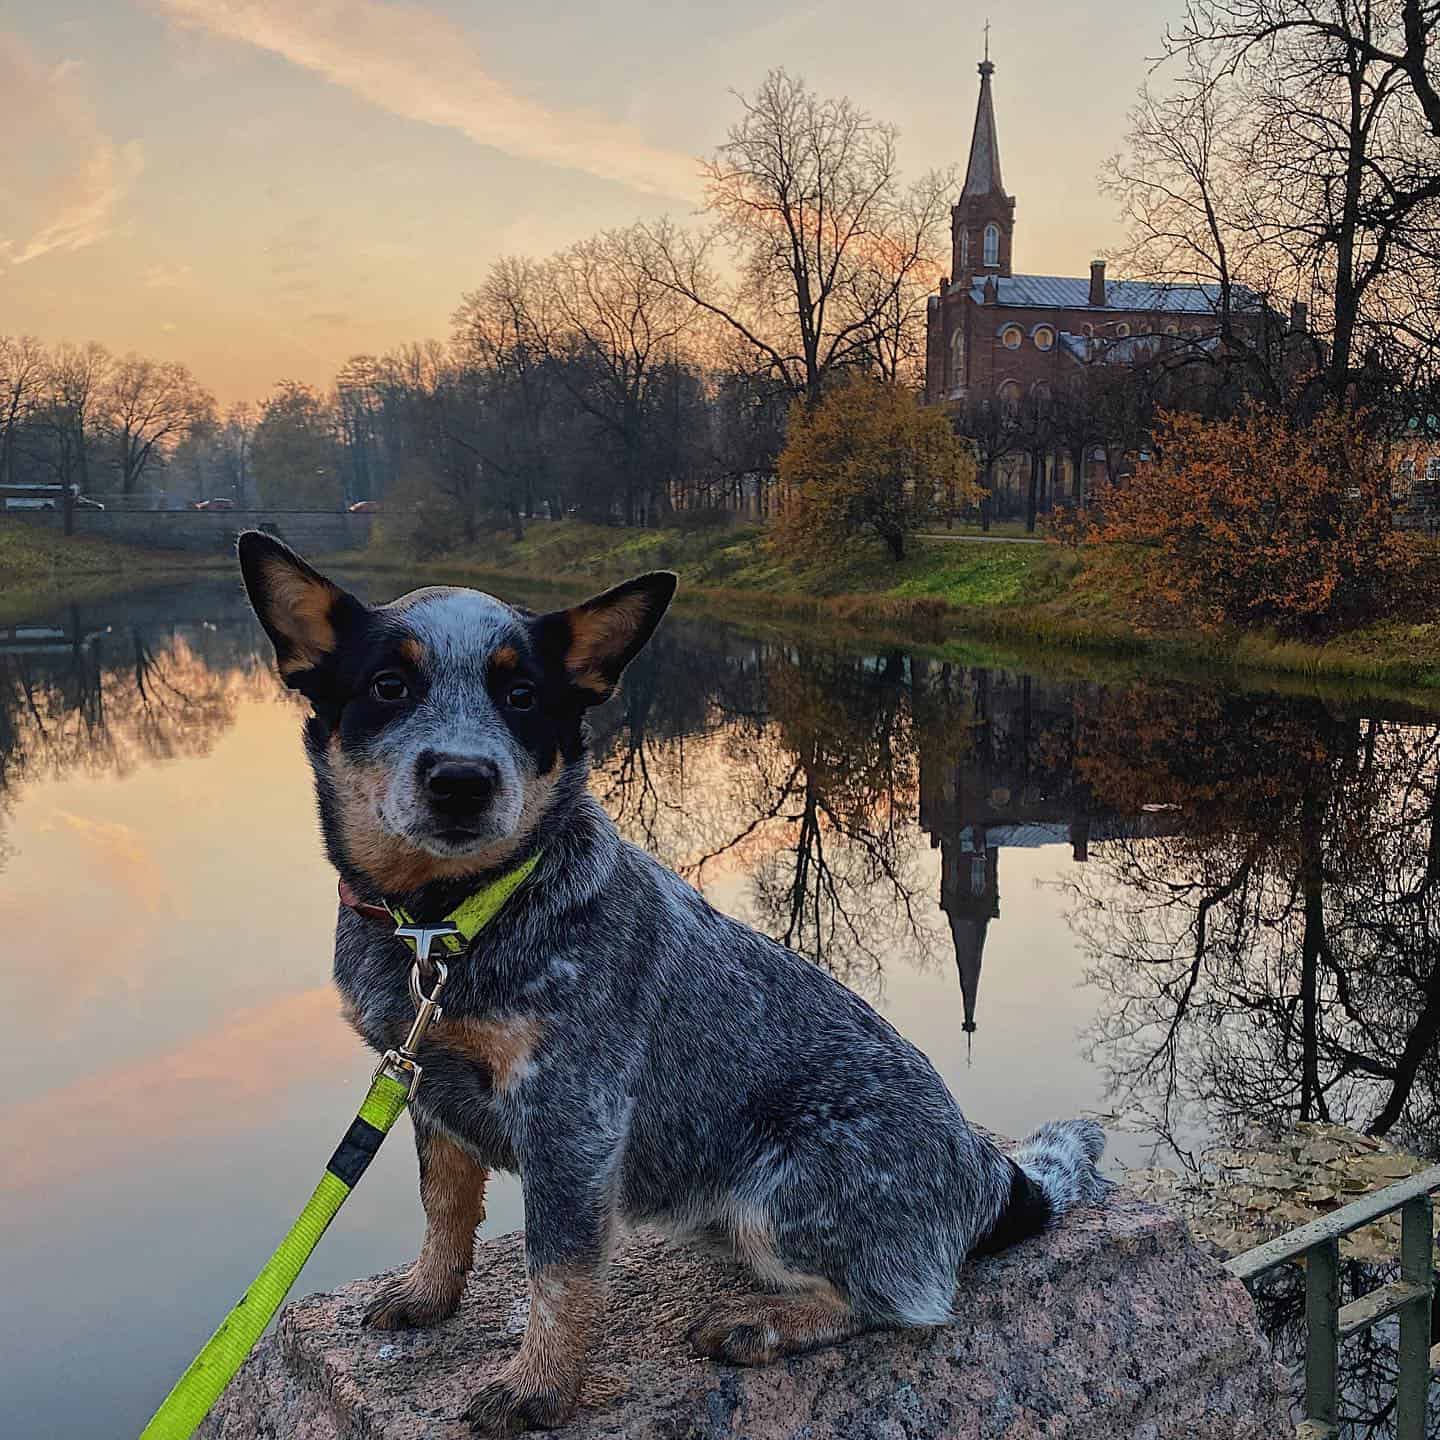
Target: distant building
x=1009, y=336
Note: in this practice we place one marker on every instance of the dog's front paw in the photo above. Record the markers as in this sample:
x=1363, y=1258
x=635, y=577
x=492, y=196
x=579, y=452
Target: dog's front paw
x=410, y=1303
x=507, y=1406
x=739, y=1332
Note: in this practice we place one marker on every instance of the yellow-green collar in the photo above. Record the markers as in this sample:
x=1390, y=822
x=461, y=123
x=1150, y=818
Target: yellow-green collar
x=469, y=917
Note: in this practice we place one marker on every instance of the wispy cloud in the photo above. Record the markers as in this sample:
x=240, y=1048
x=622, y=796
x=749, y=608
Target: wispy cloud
x=420, y=65
x=63, y=178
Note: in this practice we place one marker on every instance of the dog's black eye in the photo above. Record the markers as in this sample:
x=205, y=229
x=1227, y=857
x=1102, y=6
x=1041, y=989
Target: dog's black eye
x=521, y=696
x=390, y=686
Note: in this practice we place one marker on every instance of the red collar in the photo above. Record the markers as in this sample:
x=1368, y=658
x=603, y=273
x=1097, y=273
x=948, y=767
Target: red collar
x=378, y=914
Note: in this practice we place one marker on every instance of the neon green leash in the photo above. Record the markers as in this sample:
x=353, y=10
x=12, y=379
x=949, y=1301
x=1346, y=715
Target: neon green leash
x=393, y=1085
x=224, y=1352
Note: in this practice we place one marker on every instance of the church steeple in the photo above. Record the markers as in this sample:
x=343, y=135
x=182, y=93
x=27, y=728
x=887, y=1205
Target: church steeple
x=982, y=224
x=982, y=177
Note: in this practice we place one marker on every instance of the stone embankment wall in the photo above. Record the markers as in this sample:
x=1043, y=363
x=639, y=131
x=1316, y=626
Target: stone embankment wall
x=312, y=532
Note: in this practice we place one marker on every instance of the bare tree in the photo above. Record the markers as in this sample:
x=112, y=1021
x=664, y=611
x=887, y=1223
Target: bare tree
x=993, y=428
x=75, y=384
x=501, y=329
x=22, y=385
x=149, y=406
x=1295, y=159
x=614, y=325
x=237, y=435
x=831, y=252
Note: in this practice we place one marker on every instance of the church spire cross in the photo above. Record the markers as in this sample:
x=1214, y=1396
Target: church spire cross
x=982, y=177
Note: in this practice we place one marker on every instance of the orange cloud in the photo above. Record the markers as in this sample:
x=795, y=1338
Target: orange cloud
x=207, y=1086
x=420, y=65
x=123, y=860
x=63, y=178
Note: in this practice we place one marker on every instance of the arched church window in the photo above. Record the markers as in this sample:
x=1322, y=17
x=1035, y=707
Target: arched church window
x=992, y=244
x=957, y=358
x=964, y=249
x=1044, y=338
x=1010, y=396
x=1011, y=337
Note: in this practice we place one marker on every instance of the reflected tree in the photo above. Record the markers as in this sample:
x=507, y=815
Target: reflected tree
x=1272, y=954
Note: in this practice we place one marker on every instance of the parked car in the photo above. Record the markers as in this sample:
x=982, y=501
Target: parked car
x=25, y=502
x=365, y=507
x=222, y=502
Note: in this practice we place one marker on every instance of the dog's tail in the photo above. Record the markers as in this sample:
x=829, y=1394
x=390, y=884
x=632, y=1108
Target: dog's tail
x=1054, y=1170
x=1062, y=1160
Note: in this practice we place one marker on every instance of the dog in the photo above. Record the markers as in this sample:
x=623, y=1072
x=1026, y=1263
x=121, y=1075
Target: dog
x=636, y=1056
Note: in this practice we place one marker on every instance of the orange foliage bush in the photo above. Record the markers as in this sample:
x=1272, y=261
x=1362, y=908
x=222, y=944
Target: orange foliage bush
x=1257, y=523
x=867, y=458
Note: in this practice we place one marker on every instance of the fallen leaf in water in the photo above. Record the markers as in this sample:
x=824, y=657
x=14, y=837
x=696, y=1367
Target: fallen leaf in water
x=1263, y=1183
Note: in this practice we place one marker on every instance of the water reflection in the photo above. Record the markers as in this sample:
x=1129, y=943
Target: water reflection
x=1232, y=896
x=1275, y=954
x=1256, y=877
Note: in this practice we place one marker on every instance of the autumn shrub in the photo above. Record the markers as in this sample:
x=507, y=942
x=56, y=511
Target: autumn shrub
x=868, y=459
x=1257, y=522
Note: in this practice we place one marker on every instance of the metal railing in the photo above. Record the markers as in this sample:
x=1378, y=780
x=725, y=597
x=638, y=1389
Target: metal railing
x=1328, y=1323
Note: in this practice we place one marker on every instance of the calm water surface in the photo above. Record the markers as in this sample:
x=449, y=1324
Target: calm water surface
x=1175, y=906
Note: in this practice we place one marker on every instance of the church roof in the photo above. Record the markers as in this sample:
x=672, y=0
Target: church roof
x=982, y=177
x=1072, y=292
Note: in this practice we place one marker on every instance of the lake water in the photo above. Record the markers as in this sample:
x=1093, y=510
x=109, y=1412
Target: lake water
x=1177, y=906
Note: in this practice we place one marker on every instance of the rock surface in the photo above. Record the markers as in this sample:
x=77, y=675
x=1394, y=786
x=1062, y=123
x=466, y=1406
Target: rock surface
x=1112, y=1327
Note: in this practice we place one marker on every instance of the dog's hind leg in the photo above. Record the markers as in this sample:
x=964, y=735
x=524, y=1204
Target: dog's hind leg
x=756, y=1329
x=452, y=1189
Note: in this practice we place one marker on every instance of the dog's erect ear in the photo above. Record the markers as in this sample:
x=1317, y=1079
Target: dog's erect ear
x=595, y=641
x=301, y=610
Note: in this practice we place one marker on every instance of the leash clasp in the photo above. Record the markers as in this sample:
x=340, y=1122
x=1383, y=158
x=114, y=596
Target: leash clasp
x=401, y=1064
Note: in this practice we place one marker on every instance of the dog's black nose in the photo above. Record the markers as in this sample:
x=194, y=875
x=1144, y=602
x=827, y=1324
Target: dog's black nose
x=460, y=787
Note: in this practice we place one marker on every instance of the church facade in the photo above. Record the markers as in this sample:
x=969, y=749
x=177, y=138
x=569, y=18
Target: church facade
x=1003, y=336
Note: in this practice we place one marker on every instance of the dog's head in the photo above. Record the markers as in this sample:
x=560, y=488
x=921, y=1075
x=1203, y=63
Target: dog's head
x=444, y=721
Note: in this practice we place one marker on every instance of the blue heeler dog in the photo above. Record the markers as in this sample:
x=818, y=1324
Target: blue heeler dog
x=637, y=1057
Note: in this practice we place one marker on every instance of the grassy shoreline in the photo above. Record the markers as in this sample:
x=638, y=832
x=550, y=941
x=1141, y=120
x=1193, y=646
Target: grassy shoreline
x=40, y=569
x=1020, y=597
x=949, y=595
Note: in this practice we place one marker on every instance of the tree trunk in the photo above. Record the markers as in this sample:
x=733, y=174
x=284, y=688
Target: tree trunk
x=1032, y=495
x=987, y=498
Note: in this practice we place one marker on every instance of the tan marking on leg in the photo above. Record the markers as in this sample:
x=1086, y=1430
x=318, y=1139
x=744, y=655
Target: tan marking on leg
x=753, y=1242
x=540, y=1385
x=452, y=1189
x=503, y=1047
x=756, y=1329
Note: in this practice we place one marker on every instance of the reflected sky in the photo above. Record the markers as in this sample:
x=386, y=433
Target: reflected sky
x=1011, y=867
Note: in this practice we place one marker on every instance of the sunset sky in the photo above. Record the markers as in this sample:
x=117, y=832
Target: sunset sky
x=261, y=188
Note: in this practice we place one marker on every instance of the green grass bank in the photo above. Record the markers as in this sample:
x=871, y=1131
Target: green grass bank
x=966, y=596
x=1020, y=596
x=39, y=568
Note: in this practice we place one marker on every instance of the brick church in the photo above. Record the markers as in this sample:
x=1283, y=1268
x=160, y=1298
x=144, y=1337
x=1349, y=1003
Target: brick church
x=1009, y=336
